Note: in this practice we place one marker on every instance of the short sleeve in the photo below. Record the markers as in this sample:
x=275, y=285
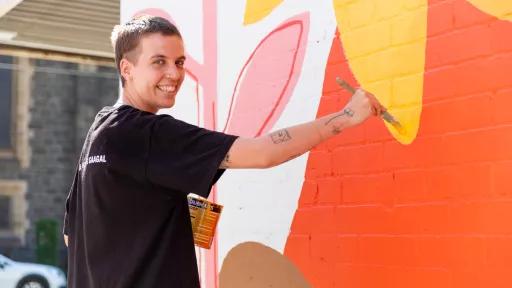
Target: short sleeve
x=185, y=157
x=72, y=191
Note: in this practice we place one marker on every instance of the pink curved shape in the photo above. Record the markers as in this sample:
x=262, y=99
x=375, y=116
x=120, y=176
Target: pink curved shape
x=268, y=78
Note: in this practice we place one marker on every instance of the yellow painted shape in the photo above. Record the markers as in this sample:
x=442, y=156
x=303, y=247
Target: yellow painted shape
x=385, y=43
x=255, y=10
x=501, y=9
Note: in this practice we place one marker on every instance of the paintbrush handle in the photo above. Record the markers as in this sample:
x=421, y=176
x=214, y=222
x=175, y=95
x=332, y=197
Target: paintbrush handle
x=385, y=115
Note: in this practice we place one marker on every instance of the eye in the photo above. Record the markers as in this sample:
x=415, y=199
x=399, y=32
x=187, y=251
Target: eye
x=180, y=63
x=159, y=62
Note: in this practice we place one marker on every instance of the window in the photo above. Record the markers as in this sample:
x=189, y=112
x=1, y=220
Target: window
x=6, y=107
x=15, y=76
x=5, y=212
x=13, y=219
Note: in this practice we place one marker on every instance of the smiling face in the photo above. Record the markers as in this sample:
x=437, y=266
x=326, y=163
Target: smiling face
x=154, y=72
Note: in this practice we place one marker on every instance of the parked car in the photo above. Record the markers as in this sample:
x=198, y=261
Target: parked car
x=29, y=275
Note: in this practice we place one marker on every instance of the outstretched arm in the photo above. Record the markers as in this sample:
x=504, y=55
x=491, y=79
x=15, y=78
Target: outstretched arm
x=285, y=144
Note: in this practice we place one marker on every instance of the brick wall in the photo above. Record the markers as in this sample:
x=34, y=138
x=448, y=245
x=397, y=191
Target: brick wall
x=435, y=213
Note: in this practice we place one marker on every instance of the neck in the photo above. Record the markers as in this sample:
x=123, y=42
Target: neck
x=128, y=98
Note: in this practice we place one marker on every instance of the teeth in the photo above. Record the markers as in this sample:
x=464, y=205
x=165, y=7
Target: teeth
x=167, y=88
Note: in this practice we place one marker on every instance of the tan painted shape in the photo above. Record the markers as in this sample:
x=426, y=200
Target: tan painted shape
x=253, y=265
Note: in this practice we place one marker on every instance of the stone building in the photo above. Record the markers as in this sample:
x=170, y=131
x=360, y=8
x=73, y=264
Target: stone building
x=56, y=72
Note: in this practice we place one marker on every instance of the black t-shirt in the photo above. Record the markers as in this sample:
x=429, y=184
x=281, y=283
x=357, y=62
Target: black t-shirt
x=127, y=214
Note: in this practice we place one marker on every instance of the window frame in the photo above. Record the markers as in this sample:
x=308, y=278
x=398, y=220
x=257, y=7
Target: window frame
x=16, y=190
x=22, y=72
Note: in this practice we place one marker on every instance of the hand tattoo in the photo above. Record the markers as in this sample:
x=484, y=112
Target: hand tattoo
x=280, y=136
x=337, y=129
x=347, y=111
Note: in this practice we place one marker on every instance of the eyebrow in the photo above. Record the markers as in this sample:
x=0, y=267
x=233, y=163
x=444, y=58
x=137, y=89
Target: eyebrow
x=163, y=56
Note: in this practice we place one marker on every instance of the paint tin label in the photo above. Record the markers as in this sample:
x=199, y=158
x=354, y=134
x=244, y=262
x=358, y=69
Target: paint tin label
x=204, y=216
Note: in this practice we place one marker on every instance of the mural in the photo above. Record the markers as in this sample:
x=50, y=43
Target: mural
x=371, y=207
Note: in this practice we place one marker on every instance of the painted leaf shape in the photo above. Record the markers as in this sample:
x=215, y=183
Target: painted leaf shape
x=387, y=58
x=255, y=10
x=501, y=9
x=268, y=78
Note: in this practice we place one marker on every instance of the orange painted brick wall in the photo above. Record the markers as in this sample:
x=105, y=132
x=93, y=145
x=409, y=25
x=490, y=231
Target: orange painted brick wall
x=438, y=212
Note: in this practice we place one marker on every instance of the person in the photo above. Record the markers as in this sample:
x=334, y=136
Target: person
x=127, y=221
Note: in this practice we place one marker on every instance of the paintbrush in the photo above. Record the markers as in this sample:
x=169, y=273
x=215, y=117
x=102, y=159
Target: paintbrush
x=385, y=115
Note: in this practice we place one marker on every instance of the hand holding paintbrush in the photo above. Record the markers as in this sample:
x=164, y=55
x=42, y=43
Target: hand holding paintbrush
x=382, y=112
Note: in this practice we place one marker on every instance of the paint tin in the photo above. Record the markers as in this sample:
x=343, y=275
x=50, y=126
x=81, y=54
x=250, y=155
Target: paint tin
x=204, y=216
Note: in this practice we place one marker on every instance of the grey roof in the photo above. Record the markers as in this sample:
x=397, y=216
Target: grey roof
x=72, y=26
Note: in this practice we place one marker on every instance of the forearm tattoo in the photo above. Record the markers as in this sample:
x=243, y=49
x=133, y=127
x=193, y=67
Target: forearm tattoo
x=337, y=129
x=280, y=136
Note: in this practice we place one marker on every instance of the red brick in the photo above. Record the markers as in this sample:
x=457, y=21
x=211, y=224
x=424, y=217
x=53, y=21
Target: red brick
x=468, y=278
x=496, y=217
x=362, y=276
x=470, y=146
x=443, y=15
x=483, y=75
x=496, y=277
x=420, y=277
x=313, y=220
x=298, y=249
x=475, y=181
x=466, y=218
x=439, y=82
x=458, y=46
x=323, y=247
x=442, y=183
x=359, y=159
x=321, y=274
x=320, y=162
x=322, y=220
x=501, y=103
x=420, y=153
x=502, y=140
x=363, y=220
x=465, y=14
x=368, y=189
x=460, y=182
x=498, y=69
x=422, y=219
x=347, y=249
x=431, y=251
x=350, y=136
x=498, y=251
x=501, y=179
x=328, y=105
x=409, y=186
x=433, y=119
x=467, y=113
x=466, y=252
x=500, y=40
x=386, y=250
x=329, y=190
x=309, y=193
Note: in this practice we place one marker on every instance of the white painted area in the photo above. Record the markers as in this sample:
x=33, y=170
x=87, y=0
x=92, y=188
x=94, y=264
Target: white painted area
x=7, y=5
x=259, y=205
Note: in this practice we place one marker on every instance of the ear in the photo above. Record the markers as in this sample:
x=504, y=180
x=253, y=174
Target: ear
x=125, y=68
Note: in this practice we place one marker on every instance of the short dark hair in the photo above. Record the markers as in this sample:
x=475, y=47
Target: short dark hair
x=126, y=37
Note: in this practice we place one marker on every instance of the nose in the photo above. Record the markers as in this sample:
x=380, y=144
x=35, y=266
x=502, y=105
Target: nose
x=172, y=73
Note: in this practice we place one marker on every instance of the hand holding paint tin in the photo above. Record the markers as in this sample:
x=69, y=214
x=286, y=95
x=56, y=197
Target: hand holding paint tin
x=204, y=216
